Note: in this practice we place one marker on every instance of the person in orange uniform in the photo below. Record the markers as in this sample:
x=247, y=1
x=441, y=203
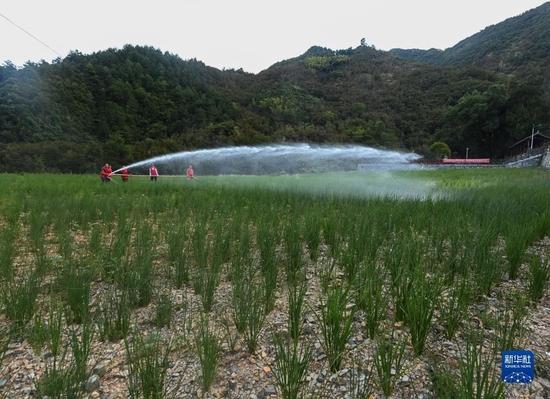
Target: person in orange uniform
x=153, y=173
x=124, y=174
x=105, y=173
x=190, y=173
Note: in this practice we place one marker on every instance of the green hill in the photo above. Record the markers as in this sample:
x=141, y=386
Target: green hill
x=128, y=104
x=516, y=43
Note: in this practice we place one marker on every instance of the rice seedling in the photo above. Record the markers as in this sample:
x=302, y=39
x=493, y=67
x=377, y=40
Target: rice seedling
x=312, y=235
x=454, y=310
x=333, y=240
x=249, y=311
x=114, y=253
x=207, y=348
x=336, y=321
x=509, y=325
x=539, y=275
x=487, y=269
x=444, y=383
x=419, y=308
x=240, y=304
x=206, y=276
x=248, y=297
x=517, y=241
x=292, y=360
x=8, y=249
x=6, y=334
x=229, y=336
x=147, y=359
x=389, y=362
x=19, y=299
x=75, y=284
x=37, y=334
x=206, y=281
x=296, y=297
x=163, y=310
x=402, y=260
x=478, y=377
x=142, y=267
x=354, y=254
x=95, y=244
x=267, y=243
x=59, y=379
x=370, y=297
x=81, y=347
x=293, y=248
x=64, y=238
x=37, y=232
x=177, y=254
x=360, y=384
x=114, y=316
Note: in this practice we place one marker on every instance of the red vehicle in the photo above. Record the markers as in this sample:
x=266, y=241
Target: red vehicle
x=469, y=161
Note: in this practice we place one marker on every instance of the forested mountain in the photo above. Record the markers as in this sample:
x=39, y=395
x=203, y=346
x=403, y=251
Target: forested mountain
x=129, y=104
x=519, y=43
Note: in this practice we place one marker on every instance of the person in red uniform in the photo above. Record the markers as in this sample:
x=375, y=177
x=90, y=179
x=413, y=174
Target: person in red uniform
x=153, y=173
x=124, y=174
x=106, y=172
x=190, y=173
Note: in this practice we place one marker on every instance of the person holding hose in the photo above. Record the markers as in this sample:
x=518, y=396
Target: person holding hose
x=106, y=172
x=153, y=173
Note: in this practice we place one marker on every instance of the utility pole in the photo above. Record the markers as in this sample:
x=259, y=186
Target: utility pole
x=467, y=150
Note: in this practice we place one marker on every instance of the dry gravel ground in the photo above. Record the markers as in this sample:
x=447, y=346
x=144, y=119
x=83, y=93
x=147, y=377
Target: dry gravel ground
x=242, y=375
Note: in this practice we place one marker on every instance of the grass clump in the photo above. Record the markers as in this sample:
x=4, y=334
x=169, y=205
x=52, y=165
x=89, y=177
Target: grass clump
x=163, y=310
x=19, y=299
x=63, y=377
x=419, y=308
x=509, y=325
x=454, y=310
x=208, y=351
x=291, y=363
x=478, y=377
x=114, y=316
x=389, y=361
x=147, y=359
x=296, y=298
x=177, y=254
x=75, y=283
x=336, y=322
x=370, y=297
x=539, y=275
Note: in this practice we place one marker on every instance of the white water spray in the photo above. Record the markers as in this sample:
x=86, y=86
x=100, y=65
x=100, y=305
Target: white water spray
x=279, y=159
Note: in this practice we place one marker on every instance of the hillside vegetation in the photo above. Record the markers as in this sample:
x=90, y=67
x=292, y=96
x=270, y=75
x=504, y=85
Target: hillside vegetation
x=121, y=105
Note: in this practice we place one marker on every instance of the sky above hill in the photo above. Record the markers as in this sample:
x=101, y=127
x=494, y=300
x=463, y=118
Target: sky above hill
x=248, y=34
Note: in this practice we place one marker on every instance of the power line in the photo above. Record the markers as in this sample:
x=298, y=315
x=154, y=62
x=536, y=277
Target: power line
x=30, y=34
